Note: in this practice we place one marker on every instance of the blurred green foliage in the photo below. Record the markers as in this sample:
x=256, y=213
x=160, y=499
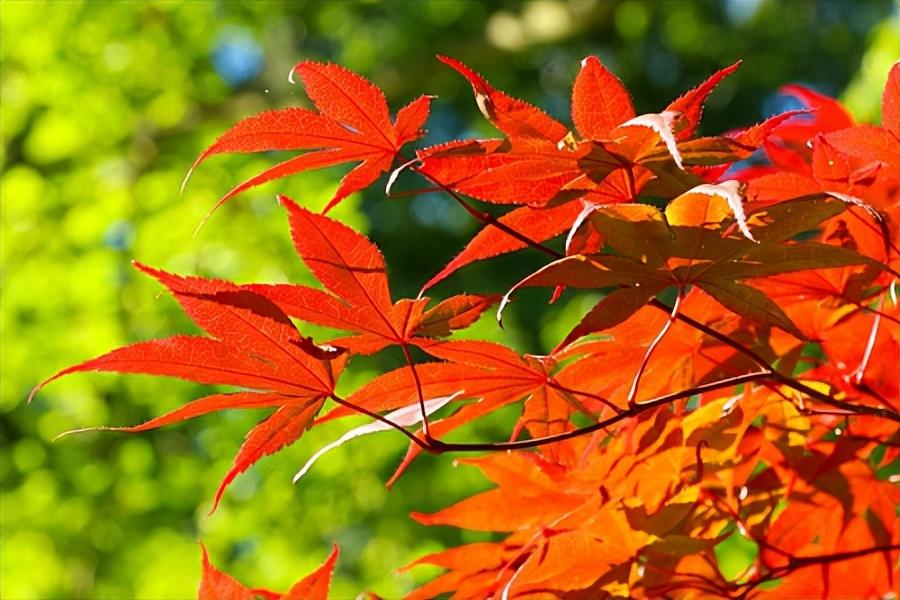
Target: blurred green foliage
x=105, y=105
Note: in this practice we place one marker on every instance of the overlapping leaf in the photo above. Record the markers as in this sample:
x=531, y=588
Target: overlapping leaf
x=683, y=359
x=789, y=147
x=540, y=161
x=358, y=299
x=544, y=167
x=570, y=527
x=640, y=515
x=691, y=246
x=828, y=152
x=857, y=164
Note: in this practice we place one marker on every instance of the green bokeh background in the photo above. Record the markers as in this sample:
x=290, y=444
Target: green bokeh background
x=105, y=105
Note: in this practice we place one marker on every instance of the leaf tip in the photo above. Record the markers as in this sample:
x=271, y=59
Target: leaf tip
x=215, y=504
x=588, y=60
x=287, y=203
x=419, y=517
x=34, y=392
x=186, y=177
x=335, y=200
x=231, y=194
x=144, y=268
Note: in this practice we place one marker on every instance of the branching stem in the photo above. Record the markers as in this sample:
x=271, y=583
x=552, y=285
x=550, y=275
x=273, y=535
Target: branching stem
x=360, y=409
x=799, y=562
x=440, y=446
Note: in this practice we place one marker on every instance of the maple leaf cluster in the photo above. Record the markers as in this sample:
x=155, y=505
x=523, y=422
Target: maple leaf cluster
x=738, y=377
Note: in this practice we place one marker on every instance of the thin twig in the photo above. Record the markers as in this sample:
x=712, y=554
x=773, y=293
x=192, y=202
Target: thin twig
x=424, y=445
x=557, y=385
x=799, y=562
x=724, y=338
x=870, y=345
x=489, y=219
x=874, y=411
x=440, y=446
x=426, y=428
x=635, y=382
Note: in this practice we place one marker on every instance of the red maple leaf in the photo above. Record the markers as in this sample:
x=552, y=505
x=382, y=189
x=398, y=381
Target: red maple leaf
x=253, y=345
x=352, y=125
x=358, y=298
